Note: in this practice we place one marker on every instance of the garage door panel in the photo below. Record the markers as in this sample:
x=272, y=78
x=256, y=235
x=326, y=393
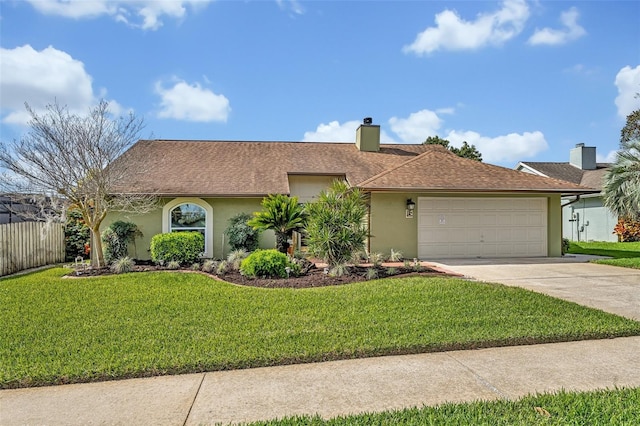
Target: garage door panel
x=482, y=227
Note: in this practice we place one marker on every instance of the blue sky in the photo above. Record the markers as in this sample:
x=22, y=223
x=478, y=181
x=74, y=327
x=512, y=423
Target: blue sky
x=522, y=80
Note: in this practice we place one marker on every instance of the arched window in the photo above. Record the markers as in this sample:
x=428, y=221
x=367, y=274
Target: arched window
x=190, y=214
x=188, y=217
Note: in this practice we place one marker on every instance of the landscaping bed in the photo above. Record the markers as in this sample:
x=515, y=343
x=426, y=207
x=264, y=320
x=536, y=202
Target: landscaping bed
x=315, y=277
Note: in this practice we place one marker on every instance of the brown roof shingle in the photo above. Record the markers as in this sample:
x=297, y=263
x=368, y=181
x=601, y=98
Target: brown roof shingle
x=227, y=168
x=565, y=171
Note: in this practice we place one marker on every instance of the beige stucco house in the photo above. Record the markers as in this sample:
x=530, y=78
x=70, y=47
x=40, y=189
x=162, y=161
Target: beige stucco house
x=424, y=200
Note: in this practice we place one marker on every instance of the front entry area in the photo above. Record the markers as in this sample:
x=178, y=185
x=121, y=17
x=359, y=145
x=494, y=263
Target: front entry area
x=481, y=227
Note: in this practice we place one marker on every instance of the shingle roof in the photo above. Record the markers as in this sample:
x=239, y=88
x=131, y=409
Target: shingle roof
x=227, y=168
x=565, y=171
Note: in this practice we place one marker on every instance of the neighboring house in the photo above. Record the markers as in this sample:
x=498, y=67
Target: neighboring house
x=423, y=200
x=15, y=211
x=584, y=217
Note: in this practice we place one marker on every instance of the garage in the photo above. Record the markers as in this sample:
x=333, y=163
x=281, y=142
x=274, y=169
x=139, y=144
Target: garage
x=481, y=227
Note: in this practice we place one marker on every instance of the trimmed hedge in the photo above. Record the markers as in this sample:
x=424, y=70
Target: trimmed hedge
x=267, y=263
x=183, y=247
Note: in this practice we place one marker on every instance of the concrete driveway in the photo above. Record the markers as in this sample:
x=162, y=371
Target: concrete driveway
x=609, y=288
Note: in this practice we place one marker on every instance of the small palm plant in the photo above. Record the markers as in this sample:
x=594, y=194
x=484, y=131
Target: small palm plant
x=281, y=213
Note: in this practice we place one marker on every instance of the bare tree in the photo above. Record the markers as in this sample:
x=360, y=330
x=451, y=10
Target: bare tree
x=71, y=158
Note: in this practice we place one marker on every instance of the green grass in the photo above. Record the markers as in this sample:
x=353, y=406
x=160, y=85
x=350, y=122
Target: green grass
x=624, y=254
x=58, y=330
x=603, y=407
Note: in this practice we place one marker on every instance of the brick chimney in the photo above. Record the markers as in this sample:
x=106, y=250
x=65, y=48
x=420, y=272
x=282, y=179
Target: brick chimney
x=368, y=136
x=583, y=157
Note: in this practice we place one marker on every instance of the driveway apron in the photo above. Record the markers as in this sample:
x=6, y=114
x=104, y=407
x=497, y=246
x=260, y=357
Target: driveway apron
x=609, y=288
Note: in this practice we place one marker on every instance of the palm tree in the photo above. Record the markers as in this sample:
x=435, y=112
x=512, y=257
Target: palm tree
x=281, y=213
x=621, y=190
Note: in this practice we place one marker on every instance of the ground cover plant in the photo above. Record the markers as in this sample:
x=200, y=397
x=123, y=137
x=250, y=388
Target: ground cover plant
x=626, y=254
x=61, y=330
x=600, y=407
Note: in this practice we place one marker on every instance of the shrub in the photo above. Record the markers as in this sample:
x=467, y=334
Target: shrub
x=376, y=258
x=627, y=230
x=339, y=270
x=565, y=246
x=182, y=247
x=174, y=264
x=391, y=271
x=76, y=234
x=372, y=273
x=240, y=235
x=266, y=263
x=335, y=224
x=195, y=266
x=396, y=256
x=122, y=265
x=236, y=257
x=222, y=268
x=209, y=266
x=116, y=239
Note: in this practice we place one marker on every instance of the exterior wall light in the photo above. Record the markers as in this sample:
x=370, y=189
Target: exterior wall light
x=410, y=204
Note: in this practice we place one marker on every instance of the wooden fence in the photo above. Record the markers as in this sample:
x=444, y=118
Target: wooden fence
x=30, y=244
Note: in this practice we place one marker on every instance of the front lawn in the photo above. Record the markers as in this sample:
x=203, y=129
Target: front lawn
x=57, y=330
x=601, y=407
x=624, y=254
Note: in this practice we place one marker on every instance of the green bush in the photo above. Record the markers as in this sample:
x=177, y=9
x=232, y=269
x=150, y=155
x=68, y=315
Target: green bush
x=266, y=263
x=565, y=246
x=240, y=235
x=76, y=234
x=183, y=247
x=116, y=239
x=335, y=223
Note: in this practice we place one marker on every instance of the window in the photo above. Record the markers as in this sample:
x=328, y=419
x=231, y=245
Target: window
x=190, y=214
x=188, y=217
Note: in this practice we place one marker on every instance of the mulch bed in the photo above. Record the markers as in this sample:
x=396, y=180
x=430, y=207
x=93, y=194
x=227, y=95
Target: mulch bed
x=316, y=277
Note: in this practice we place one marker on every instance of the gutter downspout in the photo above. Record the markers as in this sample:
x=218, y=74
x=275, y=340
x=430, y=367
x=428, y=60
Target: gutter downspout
x=562, y=206
x=571, y=202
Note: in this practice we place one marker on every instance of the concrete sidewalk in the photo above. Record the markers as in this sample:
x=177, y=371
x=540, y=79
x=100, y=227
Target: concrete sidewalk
x=331, y=388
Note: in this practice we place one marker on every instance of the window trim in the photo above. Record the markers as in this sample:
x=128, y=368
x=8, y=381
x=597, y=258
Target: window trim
x=208, y=231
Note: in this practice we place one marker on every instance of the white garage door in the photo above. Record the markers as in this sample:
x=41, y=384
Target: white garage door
x=481, y=227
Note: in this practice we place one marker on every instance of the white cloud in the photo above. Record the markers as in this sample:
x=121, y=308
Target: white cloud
x=336, y=132
x=628, y=84
x=454, y=33
x=422, y=124
x=417, y=127
x=609, y=158
x=191, y=102
x=292, y=5
x=40, y=78
x=570, y=32
x=149, y=12
x=507, y=148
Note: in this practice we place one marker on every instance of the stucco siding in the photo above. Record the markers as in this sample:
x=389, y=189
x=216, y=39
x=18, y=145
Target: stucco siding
x=222, y=208
x=389, y=227
x=308, y=187
x=588, y=220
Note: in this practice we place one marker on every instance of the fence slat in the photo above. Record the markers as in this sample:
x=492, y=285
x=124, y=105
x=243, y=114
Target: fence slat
x=27, y=245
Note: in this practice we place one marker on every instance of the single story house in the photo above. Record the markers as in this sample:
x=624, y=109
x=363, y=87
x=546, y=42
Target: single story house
x=423, y=200
x=584, y=217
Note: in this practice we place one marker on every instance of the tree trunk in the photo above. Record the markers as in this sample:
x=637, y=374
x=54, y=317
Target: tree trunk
x=97, y=256
x=282, y=243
